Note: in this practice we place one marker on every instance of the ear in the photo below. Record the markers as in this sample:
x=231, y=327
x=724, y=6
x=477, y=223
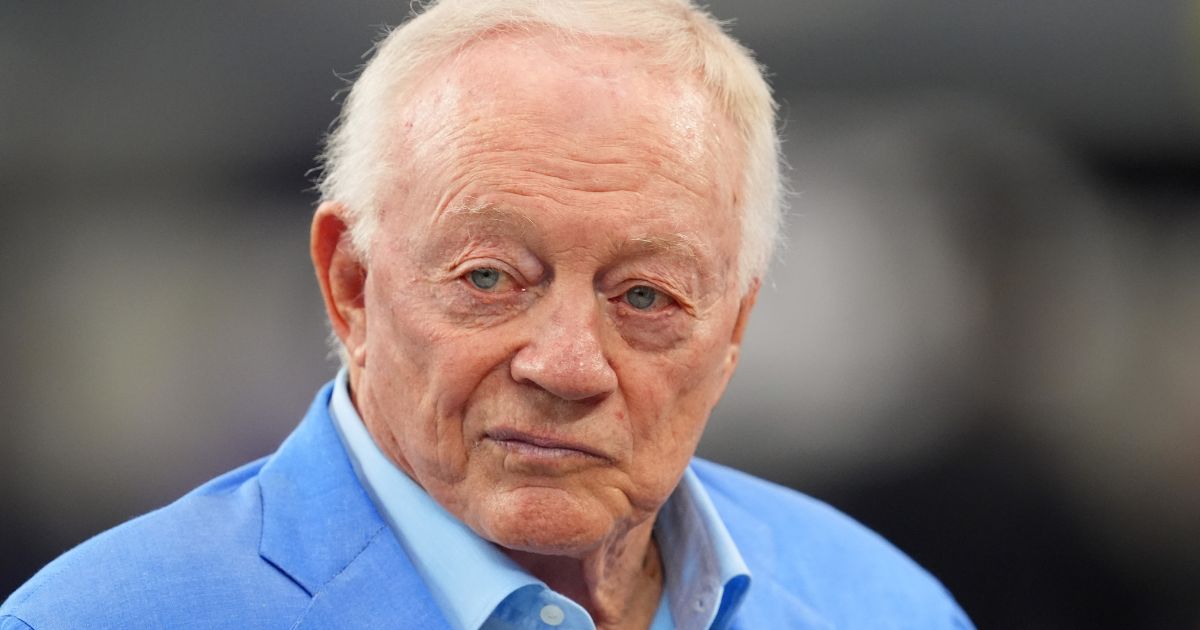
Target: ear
x=342, y=277
x=748, y=300
x=739, y=329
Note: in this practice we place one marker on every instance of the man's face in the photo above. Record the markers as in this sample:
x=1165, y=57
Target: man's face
x=551, y=307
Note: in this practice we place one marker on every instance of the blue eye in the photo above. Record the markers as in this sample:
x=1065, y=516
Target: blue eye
x=485, y=278
x=641, y=297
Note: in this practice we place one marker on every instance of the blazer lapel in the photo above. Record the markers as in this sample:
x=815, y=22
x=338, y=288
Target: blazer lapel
x=321, y=529
x=375, y=591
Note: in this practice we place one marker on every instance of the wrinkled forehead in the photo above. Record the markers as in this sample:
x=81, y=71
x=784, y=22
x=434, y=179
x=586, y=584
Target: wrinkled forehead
x=582, y=83
x=605, y=94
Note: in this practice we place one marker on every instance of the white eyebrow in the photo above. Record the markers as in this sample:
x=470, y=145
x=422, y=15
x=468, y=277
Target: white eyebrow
x=488, y=212
x=679, y=243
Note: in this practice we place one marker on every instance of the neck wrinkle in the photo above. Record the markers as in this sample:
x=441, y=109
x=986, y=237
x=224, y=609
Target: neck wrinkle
x=619, y=584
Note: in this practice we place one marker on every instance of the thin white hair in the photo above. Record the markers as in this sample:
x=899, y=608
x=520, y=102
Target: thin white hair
x=676, y=33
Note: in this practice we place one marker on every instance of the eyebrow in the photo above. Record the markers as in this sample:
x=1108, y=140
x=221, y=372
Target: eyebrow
x=676, y=244
x=486, y=212
x=681, y=244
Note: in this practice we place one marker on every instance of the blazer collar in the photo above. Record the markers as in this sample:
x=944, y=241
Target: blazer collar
x=772, y=600
x=320, y=528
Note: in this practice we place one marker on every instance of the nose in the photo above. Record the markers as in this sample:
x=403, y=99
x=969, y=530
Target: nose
x=565, y=354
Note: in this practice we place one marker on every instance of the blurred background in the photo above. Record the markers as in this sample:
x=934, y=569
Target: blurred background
x=982, y=339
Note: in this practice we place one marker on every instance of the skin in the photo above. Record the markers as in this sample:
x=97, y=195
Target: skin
x=548, y=411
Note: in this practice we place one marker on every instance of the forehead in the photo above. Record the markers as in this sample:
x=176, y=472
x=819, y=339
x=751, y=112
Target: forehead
x=543, y=80
x=588, y=117
x=585, y=88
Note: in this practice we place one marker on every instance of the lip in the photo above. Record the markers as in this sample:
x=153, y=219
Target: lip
x=542, y=446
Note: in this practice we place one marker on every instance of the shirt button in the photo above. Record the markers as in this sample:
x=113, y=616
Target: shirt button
x=552, y=615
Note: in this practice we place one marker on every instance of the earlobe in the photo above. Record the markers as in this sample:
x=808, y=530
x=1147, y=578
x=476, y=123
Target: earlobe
x=342, y=276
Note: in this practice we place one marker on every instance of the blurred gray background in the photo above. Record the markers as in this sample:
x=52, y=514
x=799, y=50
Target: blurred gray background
x=983, y=338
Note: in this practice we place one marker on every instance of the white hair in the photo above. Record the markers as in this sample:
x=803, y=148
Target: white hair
x=677, y=33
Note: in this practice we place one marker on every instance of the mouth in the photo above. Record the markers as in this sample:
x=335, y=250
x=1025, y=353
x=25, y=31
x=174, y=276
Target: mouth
x=538, y=447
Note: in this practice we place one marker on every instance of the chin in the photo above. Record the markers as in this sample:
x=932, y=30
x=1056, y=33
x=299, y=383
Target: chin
x=545, y=521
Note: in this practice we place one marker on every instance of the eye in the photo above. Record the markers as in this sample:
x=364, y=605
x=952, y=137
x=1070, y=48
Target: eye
x=642, y=297
x=484, y=278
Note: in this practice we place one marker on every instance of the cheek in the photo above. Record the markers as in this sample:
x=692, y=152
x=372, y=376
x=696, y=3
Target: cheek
x=408, y=325
x=421, y=371
x=442, y=363
x=660, y=334
x=669, y=398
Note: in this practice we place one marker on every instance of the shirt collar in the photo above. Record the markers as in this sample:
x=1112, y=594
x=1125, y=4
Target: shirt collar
x=705, y=575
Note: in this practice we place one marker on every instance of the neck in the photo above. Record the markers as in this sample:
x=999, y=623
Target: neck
x=619, y=584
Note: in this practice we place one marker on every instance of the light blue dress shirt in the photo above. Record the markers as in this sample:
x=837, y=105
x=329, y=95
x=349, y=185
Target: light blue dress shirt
x=478, y=587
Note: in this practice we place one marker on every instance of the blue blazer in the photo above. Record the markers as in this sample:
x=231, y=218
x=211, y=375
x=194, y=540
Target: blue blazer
x=293, y=541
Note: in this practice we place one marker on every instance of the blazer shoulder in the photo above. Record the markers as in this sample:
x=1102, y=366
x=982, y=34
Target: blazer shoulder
x=185, y=563
x=802, y=548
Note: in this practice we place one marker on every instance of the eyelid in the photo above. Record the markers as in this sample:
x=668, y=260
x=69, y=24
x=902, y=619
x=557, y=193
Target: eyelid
x=674, y=281
x=462, y=272
x=515, y=261
x=666, y=296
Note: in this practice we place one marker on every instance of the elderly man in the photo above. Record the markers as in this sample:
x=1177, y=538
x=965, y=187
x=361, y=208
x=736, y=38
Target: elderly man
x=543, y=230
